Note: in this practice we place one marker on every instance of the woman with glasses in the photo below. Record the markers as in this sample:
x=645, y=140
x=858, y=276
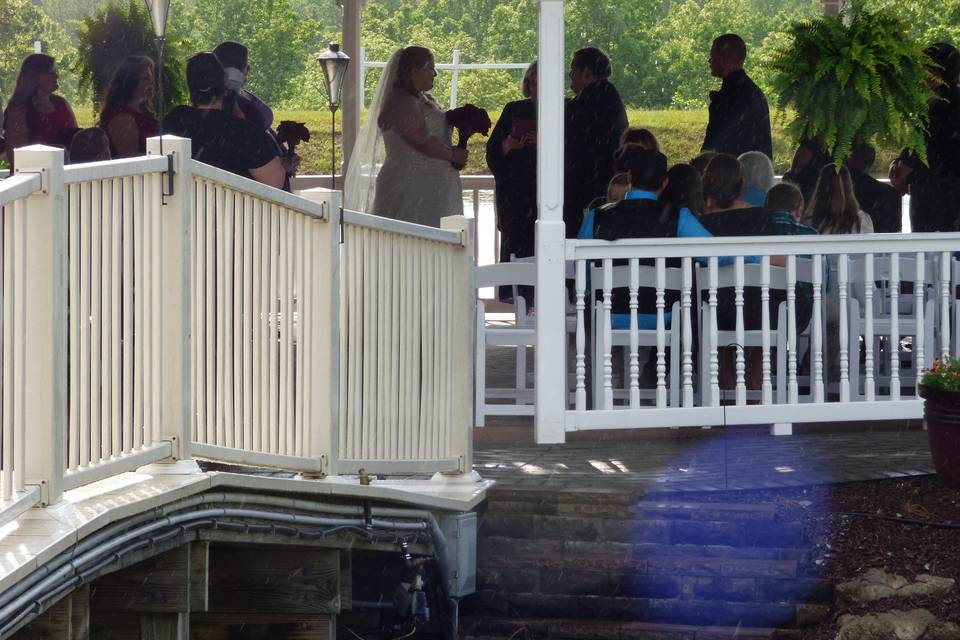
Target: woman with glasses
x=35, y=114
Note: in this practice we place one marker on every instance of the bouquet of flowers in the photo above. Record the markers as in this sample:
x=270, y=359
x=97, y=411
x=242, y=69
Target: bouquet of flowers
x=943, y=375
x=291, y=133
x=468, y=120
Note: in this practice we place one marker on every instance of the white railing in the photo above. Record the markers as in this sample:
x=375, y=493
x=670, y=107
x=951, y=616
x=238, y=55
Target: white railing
x=113, y=253
x=264, y=322
x=857, y=359
x=14, y=193
x=405, y=317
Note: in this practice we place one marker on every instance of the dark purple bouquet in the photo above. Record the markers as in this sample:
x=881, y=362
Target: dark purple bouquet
x=291, y=134
x=468, y=120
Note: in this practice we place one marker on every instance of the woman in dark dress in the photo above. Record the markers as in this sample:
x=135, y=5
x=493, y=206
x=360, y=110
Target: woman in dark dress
x=127, y=114
x=935, y=187
x=35, y=114
x=512, y=158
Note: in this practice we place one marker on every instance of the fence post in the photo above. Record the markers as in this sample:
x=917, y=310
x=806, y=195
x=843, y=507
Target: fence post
x=465, y=290
x=324, y=357
x=176, y=298
x=43, y=387
x=456, y=77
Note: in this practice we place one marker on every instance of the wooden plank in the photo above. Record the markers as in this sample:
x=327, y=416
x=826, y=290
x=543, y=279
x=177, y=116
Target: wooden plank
x=346, y=580
x=165, y=626
x=114, y=625
x=199, y=575
x=293, y=580
x=68, y=619
x=232, y=626
x=157, y=585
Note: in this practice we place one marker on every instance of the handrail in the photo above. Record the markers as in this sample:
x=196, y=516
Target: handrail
x=403, y=228
x=107, y=169
x=260, y=190
x=767, y=246
x=19, y=186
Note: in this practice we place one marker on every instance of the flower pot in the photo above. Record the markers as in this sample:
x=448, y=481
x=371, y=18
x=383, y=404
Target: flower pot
x=941, y=415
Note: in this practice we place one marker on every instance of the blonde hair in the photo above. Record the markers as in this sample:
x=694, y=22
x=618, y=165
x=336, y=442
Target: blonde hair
x=528, y=77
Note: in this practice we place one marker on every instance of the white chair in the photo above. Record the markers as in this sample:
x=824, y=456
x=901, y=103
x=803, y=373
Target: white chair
x=752, y=277
x=519, y=332
x=647, y=278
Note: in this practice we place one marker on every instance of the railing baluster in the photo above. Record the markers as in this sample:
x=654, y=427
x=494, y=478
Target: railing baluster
x=920, y=338
x=261, y=315
x=581, y=363
x=817, y=356
x=155, y=255
x=9, y=344
x=712, y=336
x=283, y=300
x=210, y=356
x=741, y=393
x=767, y=383
x=235, y=329
x=96, y=318
x=634, y=335
x=273, y=295
x=607, y=334
x=75, y=319
x=139, y=234
x=106, y=383
x=247, y=323
x=20, y=297
x=792, y=385
x=116, y=371
x=84, y=318
x=661, y=265
x=945, y=295
x=869, y=383
x=894, y=326
x=133, y=440
x=686, y=310
x=843, y=284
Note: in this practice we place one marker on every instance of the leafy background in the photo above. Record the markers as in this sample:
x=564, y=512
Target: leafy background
x=659, y=47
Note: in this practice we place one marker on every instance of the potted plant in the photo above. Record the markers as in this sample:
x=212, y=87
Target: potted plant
x=940, y=389
x=853, y=78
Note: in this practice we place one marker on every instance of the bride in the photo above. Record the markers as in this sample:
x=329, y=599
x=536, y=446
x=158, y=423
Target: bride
x=401, y=164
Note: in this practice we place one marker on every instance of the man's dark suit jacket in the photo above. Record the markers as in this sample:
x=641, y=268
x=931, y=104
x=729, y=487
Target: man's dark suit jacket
x=739, y=118
x=595, y=119
x=879, y=201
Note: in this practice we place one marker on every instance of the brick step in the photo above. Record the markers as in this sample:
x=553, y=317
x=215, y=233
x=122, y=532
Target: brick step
x=641, y=529
x=677, y=611
x=488, y=628
x=620, y=505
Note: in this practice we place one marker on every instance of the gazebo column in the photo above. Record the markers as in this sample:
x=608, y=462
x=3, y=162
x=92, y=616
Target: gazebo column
x=352, y=10
x=551, y=381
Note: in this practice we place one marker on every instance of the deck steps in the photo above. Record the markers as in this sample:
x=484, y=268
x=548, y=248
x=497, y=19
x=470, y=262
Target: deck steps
x=612, y=559
x=479, y=628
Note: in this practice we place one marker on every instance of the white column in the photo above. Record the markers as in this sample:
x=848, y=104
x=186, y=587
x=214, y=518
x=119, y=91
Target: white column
x=352, y=86
x=44, y=387
x=176, y=298
x=551, y=349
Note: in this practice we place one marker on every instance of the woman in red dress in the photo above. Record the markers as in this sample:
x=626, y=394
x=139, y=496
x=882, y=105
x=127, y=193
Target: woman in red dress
x=127, y=116
x=35, y=115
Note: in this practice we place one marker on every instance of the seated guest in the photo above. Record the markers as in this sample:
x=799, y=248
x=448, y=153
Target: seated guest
x=757, y=177
x=834, y=209
x=878, y=200
x=701, y=161
x=127, y=114
x=684, y=189
x=638, y=135
x=785, y=203
x=220, y=139
x=809, y=158
x=89, y=145
x=35, y=114
x=618, y=187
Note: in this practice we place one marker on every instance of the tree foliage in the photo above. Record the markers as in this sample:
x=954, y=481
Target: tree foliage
x=864, y=66
x=21, y=23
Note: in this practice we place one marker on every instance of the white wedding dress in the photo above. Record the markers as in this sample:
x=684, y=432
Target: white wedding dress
x=388, y=177
x=414, y=187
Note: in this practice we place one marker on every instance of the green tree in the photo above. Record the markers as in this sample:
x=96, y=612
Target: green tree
x=21, y=23
x=119, y=30
x=282, y=43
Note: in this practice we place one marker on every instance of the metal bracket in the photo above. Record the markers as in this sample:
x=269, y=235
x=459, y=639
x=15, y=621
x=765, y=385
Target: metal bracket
x=169, y=175
x=44, y=177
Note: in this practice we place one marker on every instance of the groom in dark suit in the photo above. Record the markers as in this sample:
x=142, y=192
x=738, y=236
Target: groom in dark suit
x=595, y=119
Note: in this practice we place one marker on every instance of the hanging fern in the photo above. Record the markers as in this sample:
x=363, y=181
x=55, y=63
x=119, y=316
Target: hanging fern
x=851, y=79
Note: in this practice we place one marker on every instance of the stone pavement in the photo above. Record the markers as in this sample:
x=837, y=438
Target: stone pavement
x=703, y=460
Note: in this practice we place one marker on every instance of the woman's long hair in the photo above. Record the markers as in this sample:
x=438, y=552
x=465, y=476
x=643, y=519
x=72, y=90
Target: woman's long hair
x=123, y=84
x=34, y=65
x=684, y=189
x=834, y=208
x=722, y=181
x=412, y=57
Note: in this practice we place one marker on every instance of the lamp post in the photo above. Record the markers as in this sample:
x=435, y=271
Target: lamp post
x=159, y=10
x=334, y=64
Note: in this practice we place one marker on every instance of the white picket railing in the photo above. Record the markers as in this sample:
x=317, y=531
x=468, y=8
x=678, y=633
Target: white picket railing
x=849, y=311
x=406, y=304
x=263, y=323
x=14, y=193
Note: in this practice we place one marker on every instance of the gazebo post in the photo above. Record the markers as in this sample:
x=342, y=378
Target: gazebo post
x=832, y=7
x=350, y=43
x=551, y=363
